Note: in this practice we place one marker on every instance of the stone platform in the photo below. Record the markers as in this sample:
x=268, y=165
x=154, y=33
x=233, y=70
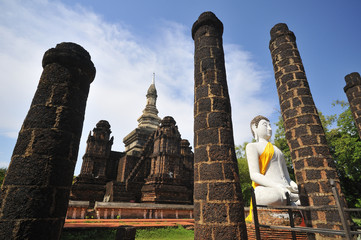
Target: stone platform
x=126, y=210
x=272, y=234
x=275, y=217
x=138, y=223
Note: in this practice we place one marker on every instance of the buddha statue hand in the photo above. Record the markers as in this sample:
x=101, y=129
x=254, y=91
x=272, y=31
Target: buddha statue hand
x=283, y=190
x=294, y=187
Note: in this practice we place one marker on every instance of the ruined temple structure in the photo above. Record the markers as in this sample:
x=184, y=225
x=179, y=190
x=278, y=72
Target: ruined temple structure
x=156, y=166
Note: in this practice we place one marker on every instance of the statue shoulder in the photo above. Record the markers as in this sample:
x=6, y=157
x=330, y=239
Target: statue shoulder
x=251, y=147
x=256, y=147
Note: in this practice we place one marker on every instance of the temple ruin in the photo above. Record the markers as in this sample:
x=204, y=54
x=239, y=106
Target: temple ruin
x=156, y=166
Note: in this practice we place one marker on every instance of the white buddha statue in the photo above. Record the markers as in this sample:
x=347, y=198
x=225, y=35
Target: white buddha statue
x=267, y=167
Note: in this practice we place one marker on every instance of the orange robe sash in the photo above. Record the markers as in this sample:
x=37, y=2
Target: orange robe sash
x=263, y=162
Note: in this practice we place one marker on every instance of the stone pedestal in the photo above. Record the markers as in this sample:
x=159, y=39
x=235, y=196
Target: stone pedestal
x=118, y=192
x=166, y=193
x=88, y=191
x=276, y=217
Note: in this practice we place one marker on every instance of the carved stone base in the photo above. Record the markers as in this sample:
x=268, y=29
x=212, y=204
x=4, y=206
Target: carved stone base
x=164, y=193
x=276, y=217
x=117, y=192
x=87, y=192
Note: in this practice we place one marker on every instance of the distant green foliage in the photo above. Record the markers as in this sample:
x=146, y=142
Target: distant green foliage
x=244, y=177
x=345, y=147
x=2, y=175
x=281, y=142
x=168, y=233
x=73, y=179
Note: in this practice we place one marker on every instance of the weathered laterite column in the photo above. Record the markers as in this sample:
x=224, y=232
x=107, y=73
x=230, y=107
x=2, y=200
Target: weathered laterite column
x=353, y=93
x=218, y=204
x=313, y=164
x=34, y=196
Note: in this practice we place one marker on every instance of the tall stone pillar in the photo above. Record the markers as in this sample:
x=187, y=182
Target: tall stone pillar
x=353, y=93
x=313, y=164
x=34, y=196
x=218, y=203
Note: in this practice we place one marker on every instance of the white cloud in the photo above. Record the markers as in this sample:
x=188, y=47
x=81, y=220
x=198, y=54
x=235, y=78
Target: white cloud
x=4, y=164
x=248, y=91
x=124, y=69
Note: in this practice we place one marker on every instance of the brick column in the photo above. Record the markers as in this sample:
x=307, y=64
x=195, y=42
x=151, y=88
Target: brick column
x=34, y=196
x=313, y=164
x=353, y=93
x=218, y=204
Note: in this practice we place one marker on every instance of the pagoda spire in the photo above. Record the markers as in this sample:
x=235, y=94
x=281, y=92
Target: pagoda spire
x=149, y=118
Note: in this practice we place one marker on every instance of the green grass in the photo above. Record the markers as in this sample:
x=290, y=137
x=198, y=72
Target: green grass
x=104, y=234
x=167, y=233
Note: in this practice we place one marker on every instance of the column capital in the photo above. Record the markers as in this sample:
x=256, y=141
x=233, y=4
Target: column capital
x=352, y=80
x=279, y=30
x=71, y=55
x=207, y=18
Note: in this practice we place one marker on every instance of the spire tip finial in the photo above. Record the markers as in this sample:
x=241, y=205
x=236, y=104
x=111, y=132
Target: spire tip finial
x=153, y=81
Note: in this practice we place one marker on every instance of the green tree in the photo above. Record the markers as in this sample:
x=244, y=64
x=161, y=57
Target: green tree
x=244, y=177
x=281, y=142
x=345, y=148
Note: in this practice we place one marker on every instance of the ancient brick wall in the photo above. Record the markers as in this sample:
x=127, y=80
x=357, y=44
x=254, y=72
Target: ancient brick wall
x=165, y=183
x=97, y=152
x=113, y=163
x=313, y=164
x=353, y=93
x=218, y=204
x=125, y=166
x=34, y=196
x=187, y=164
x=166, y=155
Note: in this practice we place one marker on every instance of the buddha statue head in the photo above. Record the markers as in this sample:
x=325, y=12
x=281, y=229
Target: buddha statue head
x=261, y=128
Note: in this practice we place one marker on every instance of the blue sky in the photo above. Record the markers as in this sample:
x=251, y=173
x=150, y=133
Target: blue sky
x=129, y=40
